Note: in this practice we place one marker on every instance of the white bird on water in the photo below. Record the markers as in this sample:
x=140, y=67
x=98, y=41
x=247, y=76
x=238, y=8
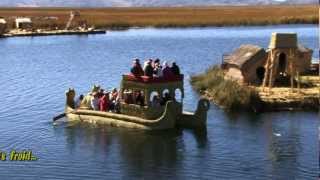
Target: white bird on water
x=277, y=134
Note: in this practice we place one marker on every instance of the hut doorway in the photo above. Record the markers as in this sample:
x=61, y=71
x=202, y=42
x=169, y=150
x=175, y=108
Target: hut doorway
x=260, y=71
x=282, y=79
x=282, y=63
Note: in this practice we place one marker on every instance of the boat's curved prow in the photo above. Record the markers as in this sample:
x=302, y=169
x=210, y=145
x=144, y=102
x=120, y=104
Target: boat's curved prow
x=70, y=94
x=198, y=119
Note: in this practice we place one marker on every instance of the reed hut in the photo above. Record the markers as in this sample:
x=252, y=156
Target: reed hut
x=246, y=64
x=3, y=26
x=282, y=61
x=23, y=23
x=286, y=59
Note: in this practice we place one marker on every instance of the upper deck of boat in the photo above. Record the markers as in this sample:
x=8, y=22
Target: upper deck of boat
x=151, y=80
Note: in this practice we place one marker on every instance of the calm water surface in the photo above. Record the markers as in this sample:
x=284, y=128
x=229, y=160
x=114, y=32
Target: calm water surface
x=35, y=72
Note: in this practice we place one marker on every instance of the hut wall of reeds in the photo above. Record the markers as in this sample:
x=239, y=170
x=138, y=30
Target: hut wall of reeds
x=245, y=64
x=286, y=58
x=3, y=26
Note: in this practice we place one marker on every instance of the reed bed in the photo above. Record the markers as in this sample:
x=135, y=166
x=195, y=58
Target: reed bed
x=170, y=17
x=225, y=92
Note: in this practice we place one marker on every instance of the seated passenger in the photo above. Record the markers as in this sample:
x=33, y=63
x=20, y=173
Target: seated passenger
x=175, y=69
x=139, y=98
x=114, y=100
x=86, y=102
x=148, y=70
x=157, y=70
x=155, y=101
x=95, y=101
x=79, y=101
x=165, y=99
x=100, y=93
x=157, y=61
x=128, y=97
x=114, y=94
x=136, y=69
x=166, y=71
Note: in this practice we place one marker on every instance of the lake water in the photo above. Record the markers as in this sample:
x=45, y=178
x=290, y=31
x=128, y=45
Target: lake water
x=36, y=71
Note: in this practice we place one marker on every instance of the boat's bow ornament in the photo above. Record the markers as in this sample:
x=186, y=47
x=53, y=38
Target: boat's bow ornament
x=70, y=94
x=198, y=119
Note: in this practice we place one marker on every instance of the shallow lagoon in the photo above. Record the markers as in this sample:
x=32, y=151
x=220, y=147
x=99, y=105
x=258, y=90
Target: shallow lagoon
x=35, y=72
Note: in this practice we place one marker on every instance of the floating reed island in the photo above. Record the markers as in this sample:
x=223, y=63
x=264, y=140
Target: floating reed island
x=282, y=77
x=26, y=26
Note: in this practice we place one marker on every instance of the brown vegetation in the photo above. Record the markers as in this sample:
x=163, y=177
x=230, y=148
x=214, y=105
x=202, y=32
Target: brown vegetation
x=233, y=96
x=171, y=17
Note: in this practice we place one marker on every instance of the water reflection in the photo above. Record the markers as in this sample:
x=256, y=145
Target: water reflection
x=141, y=153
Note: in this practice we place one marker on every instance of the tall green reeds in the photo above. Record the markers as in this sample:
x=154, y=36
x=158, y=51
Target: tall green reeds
x=225, y=92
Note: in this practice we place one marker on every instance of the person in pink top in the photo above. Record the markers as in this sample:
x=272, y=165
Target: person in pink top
x=104, y=102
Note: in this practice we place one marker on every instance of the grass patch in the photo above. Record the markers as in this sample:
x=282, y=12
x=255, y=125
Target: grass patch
x=226, y=93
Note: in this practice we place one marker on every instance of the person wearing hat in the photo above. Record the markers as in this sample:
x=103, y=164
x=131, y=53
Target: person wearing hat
x=136, y=69
x=175, y=69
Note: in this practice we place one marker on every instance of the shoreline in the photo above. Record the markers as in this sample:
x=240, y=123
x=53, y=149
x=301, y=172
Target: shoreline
x=22, y=33
x=269, y=104
x=51, y=33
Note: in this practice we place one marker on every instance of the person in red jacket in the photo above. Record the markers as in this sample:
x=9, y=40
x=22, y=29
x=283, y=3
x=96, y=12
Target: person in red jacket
x=104, y=102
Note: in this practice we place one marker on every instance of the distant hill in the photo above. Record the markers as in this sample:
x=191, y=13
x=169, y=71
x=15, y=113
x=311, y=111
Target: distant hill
x=143, y=3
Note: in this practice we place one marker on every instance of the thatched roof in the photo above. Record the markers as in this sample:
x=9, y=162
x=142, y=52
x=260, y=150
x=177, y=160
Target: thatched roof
x=244, y=54
x=23, y=20
x=3, y=21
x=303, y=49
x=283, y=40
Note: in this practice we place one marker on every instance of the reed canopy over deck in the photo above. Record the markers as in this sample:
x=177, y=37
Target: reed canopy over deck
x=149, y=87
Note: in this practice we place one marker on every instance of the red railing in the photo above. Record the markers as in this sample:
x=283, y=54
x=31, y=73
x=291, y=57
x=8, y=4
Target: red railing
x=146, y=79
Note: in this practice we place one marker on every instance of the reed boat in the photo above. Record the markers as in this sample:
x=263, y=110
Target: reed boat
x=147, y=117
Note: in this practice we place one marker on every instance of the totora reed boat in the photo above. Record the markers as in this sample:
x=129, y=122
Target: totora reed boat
x=148, y=117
